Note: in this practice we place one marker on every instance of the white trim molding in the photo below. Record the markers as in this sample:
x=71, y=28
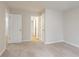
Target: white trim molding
x=51, y=42
x=72, y=44
x=26, y=40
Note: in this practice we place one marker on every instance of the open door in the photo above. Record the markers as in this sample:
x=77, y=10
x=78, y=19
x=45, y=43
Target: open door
x=42, y=27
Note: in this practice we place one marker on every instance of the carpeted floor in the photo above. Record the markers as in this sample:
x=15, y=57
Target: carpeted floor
x=28, y=49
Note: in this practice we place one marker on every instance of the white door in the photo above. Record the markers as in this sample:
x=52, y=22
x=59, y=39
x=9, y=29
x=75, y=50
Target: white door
x=15, y=28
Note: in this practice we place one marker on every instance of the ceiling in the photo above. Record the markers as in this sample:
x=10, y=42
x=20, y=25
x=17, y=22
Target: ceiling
x=38, y=6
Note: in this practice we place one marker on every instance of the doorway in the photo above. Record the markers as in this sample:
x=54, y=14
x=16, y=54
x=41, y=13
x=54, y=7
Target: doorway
x=35, y=28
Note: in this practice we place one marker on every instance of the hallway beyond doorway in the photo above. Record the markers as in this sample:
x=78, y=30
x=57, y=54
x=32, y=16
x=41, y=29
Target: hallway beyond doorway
x=35, y=28
x=34, y=39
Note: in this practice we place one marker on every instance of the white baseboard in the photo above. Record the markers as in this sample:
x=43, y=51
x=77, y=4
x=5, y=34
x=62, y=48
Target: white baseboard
x=21, y=42
x=54, y=42
x=72, y=44
x=26, y=40
x=3, y=50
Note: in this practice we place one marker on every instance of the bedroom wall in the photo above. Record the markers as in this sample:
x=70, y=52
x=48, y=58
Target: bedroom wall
x=71, y=26
x=53, y=26
x=3, y=41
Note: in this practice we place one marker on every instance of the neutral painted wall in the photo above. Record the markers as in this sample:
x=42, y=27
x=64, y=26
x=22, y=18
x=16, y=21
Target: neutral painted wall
x=2, y=26
x=53, y=26
x=71, y=26
x=26, y=23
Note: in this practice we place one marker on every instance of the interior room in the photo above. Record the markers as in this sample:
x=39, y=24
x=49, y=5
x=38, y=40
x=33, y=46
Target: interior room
x=39, y=28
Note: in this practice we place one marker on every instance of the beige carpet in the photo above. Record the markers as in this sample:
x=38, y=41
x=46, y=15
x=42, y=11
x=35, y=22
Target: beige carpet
x=28, y=49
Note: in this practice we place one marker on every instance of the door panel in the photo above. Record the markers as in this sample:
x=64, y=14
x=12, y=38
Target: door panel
x=15, y=28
